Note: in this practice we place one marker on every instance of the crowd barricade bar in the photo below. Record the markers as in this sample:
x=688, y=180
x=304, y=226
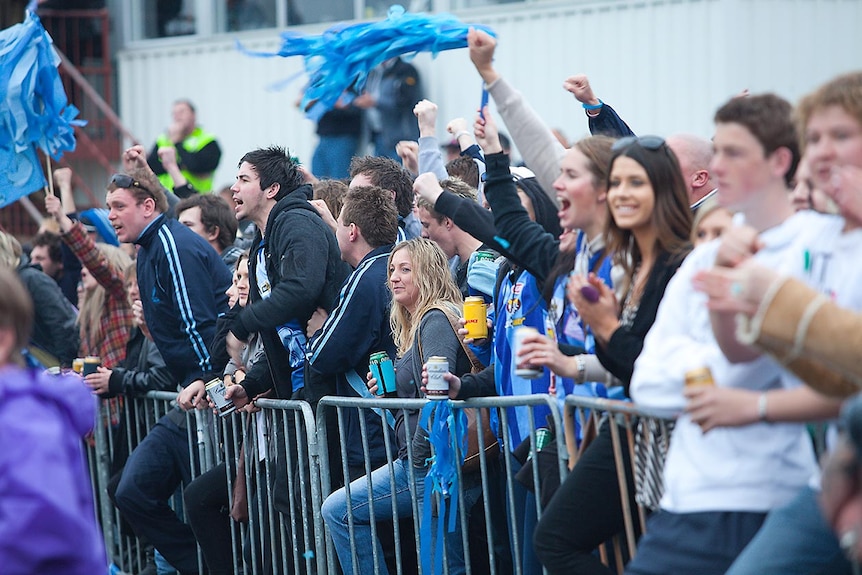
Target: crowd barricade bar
x=291, y=453
x=624, y=418
x=294, y=419
x=495, y=476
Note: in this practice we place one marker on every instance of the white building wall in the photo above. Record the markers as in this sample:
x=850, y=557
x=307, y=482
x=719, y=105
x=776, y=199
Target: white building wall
x=665, y=66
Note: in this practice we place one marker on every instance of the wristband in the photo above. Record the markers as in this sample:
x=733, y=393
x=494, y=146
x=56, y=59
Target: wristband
x=594, y=106
x=761, y=407
x=463, y=133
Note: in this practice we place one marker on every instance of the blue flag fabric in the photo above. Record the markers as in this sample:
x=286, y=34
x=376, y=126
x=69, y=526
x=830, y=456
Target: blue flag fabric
x=34, y=110
x=339, y=60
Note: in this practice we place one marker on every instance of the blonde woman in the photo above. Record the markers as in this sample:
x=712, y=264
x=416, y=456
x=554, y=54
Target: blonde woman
x=105, y=316
x=425, y=302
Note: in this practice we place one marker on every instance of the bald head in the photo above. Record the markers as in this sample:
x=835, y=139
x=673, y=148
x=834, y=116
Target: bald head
x=694, y=155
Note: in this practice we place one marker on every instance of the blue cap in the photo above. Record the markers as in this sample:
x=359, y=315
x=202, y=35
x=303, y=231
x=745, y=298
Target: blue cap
x=96, y=220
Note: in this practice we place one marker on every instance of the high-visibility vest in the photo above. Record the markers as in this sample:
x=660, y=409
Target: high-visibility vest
x=196, y=141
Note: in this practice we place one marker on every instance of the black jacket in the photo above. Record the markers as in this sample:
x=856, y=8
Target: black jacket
x=55, y=329
x=143, y=370
x=305, y=270
x=626, y=343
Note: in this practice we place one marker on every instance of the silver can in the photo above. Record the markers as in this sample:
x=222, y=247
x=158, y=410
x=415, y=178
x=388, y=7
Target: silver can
x=215, y=389
x=525, y=372
x=437, y=387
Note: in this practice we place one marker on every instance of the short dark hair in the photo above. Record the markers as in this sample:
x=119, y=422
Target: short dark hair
x=215, y=212
x=769, y=118
x=465, y=168
x=274, y=165
x=52, y=241
x=388, y=174
x=372, y=210
x=16, y=311
x=331, y=192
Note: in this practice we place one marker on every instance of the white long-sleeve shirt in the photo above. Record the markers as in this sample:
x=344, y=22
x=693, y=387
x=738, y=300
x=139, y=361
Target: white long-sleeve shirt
x=750, y=468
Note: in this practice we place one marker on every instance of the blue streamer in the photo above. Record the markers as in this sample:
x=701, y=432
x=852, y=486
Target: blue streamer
x=34, y=110
x=447, y=433
x=338, y=61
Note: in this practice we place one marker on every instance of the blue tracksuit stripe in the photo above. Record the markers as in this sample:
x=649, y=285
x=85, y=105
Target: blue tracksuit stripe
x=183, y=302
x=347, y=293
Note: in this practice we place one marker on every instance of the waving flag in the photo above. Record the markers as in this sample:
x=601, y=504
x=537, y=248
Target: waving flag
x=34, y=110
x=339, y=60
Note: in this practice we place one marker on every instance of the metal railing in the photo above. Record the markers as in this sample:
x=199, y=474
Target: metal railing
x=292, y=459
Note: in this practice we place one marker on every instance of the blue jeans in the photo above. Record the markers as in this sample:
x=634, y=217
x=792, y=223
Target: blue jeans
x=454, y=541
x=794, y=539
x=335, y=513
x=154, y=470
x=332, y=157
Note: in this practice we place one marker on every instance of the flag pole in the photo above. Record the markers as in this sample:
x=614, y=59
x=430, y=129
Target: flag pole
x=49, y=189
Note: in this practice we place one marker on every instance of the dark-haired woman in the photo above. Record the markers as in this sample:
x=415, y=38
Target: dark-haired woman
x=648, y=235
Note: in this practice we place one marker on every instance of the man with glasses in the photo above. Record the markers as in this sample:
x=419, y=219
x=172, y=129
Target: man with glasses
x=182, y=283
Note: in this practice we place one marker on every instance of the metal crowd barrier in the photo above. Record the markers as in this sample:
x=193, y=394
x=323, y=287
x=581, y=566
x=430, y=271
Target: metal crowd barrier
x=122, y=424
x=626, y=421
x=497, y=551
x=292, y=459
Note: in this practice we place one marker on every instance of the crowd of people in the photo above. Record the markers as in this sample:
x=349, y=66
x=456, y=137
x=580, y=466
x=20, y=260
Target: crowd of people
x=635, y=259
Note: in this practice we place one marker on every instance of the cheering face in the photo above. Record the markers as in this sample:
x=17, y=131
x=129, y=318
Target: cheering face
x=127, y=216
x=833, y=139
x=630, y=195
x=437, y=231
x=249, y=199
x=191, y=218
x=401, y=281
x=576, y=194
x=740, y=165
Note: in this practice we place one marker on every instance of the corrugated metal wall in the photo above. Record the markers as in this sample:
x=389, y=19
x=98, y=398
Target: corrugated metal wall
x=665, y=65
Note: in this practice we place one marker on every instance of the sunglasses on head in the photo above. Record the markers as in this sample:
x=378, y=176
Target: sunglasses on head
x=124, y=181
x=652, y=143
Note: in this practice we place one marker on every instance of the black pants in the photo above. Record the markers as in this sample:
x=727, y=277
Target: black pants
x=154, y=470
x=585, y=511
x=206, y=508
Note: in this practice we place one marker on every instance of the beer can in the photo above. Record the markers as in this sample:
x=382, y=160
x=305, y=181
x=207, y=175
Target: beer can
x=525, y=372
x=78, y=365
x=437, y=388
x=476, y=316
x=543, y=438
x=699, y=376
x=381, y=368
x=216, y=390
x=91, y=362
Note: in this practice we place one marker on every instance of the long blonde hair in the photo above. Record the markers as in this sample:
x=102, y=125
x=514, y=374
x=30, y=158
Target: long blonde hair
x=91, y=308
x=436, y=287
x=10, y=251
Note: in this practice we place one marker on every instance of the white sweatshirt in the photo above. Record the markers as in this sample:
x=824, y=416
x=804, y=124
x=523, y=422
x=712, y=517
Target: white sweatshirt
x=752, y=468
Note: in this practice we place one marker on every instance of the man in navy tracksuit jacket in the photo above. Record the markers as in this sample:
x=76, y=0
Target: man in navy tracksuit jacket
x=182, y=283
x=359, y=324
